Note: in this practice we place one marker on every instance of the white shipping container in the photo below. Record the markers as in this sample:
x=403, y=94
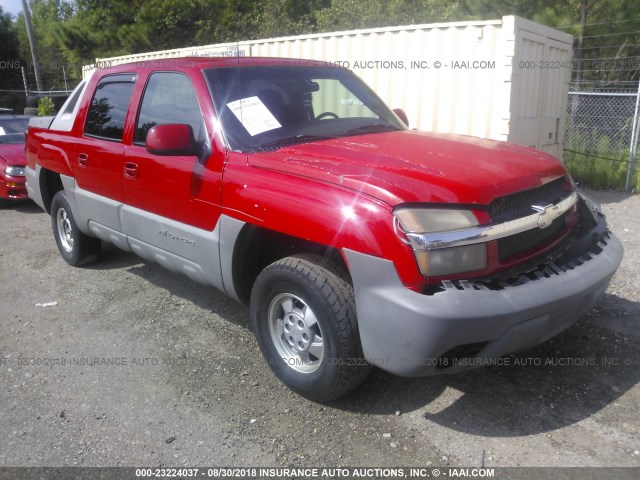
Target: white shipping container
x=502, y=79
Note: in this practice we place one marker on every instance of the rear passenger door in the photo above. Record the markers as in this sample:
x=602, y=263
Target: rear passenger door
x=99, y=152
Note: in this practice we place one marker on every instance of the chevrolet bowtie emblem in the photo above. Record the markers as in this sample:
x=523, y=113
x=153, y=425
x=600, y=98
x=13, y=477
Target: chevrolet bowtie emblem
x=546, y=214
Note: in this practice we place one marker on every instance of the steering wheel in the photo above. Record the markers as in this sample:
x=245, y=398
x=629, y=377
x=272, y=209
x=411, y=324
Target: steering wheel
x=326, y=115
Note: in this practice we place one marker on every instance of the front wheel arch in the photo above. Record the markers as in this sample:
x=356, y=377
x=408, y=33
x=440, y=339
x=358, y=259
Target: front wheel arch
x=257, y=247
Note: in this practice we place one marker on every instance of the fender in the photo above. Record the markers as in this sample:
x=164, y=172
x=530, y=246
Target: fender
x=324, y=213
x=42, y=149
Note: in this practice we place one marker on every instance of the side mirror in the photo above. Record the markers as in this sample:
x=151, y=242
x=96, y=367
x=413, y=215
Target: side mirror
x=172, y=139
x=401, y=115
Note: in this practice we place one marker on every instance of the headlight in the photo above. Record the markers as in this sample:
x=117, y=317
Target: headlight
x=14, y=171
x=414, y=220
x=414, y=224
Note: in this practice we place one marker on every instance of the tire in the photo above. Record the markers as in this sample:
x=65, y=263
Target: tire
x=304, y=317
x=75, y=247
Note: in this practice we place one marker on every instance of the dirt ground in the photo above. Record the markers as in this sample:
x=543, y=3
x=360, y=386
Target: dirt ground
x=138, y=366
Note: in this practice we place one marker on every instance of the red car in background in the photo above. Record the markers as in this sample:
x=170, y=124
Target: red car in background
x=12, y=159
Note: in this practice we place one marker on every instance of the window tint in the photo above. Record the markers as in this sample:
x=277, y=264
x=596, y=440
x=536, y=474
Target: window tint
x=169, y=98
x=109, y=106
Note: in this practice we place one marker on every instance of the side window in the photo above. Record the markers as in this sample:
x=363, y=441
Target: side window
x=108, y=109
x=168, y=98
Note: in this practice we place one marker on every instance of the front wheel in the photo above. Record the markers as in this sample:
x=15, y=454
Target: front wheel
x=75, y=247
x=303, y=314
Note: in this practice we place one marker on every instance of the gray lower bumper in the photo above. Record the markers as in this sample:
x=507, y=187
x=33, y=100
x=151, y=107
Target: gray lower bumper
x=407, y=333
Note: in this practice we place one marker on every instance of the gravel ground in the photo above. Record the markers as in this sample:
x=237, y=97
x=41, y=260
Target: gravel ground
x=139, y=366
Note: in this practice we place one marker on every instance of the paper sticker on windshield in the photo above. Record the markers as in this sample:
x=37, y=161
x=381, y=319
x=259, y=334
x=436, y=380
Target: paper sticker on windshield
x=2, y=131
x=253, y=115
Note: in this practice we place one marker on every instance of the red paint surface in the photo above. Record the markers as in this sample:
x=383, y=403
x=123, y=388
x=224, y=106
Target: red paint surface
x=12, y=187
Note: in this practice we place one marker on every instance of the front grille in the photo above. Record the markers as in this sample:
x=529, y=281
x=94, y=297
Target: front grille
x=524, y=241
x=517, y=205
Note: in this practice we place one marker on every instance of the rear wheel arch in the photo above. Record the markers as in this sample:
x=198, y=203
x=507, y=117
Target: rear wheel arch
x=50, y=184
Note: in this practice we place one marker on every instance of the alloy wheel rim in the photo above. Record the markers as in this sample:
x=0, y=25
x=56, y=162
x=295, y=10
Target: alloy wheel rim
x=63, y=223
x=296, y=333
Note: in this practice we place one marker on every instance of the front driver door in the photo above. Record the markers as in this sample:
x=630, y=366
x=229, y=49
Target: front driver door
x=172, y=203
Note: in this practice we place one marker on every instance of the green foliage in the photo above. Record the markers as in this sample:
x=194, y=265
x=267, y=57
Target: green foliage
x=601, y=171
x=9, y=46
x=47, y=17
x=102, y=28
x=46, y=107
x=354, y=14
x=594, y=157
x=272, y=18
x=611, y=33
x=485, y=9
x=11, y=77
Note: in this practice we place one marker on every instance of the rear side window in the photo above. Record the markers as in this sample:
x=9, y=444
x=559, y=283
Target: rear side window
x=109, y=106
x=168, y=98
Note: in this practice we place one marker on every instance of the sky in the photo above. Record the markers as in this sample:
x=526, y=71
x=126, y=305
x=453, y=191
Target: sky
x=12, y=6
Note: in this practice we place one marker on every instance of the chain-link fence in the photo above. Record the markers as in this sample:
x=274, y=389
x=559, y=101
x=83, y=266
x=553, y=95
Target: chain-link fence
x=18, y=87
x=599, y=136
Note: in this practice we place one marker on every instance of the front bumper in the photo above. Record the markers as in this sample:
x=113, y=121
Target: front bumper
x=412, y=334
x=13, y=188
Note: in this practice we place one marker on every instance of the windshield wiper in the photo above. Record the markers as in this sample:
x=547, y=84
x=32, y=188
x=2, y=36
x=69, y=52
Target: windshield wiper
x=282, y=142
x=376, y=127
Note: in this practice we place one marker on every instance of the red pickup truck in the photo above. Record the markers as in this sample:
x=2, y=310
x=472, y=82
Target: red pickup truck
x=290, y=186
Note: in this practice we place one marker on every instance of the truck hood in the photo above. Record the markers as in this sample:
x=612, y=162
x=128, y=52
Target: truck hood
x=13, y=154
x=411, y=166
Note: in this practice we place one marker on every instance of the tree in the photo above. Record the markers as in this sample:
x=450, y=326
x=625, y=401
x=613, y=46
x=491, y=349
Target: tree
x=606, y=38
x=9, y=46
x=491, y=9
x=47, y=17
x=104, y=28
x=11, y=78
x=276, y=18
x=606, y=32
x=355, y=14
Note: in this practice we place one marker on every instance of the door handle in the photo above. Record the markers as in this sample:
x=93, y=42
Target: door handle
x=130, y=170
x=83, y=159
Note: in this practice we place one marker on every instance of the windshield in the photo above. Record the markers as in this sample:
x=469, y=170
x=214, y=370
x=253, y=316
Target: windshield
x=265, y=108
x=12, y=129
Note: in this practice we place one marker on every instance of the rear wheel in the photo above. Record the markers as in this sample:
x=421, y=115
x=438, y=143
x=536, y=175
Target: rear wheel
x=75, y=247
x=303, y=314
